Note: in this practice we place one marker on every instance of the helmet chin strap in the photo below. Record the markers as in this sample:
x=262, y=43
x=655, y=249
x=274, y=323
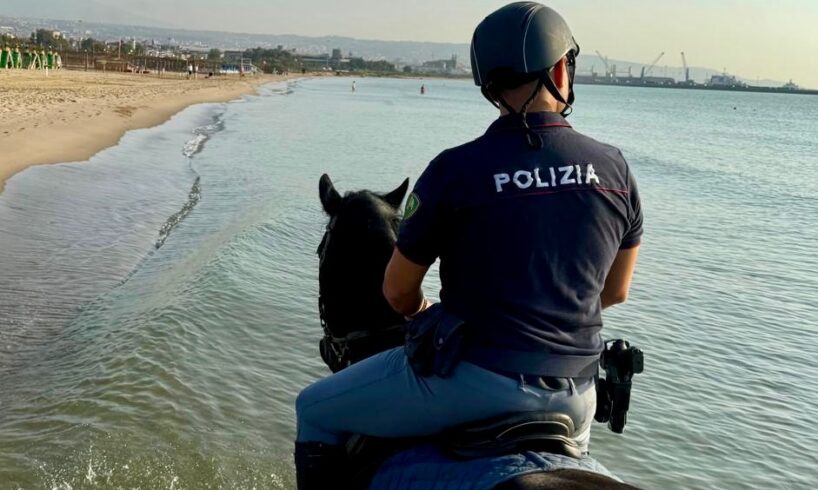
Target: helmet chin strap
x=532, y=137
x=487, y=94
x=546, y=80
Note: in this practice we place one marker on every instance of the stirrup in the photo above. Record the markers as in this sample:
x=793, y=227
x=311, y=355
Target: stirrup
x=319, y=466
x=549, y=432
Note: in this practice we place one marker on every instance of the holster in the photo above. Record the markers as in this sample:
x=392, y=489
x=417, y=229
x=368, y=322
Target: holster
x=434, y=342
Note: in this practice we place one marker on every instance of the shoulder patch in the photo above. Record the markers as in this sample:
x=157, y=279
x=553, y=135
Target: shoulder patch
x=412, y=205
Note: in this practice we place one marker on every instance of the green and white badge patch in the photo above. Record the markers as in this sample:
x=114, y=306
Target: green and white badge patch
x=412, y=205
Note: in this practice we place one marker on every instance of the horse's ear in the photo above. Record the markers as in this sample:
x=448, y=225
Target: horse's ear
x=395, y=197
x=330, y=199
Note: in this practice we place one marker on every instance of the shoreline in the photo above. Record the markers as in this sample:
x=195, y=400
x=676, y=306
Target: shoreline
x=71, y=116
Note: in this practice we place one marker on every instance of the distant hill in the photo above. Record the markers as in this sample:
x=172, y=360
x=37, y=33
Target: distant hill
x=86, y=10
x=408, y=52
x=402, y=51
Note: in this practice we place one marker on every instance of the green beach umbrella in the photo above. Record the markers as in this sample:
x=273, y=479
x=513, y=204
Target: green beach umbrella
x=5, y=58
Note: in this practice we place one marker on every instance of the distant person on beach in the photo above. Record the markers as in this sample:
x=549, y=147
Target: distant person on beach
x=189, y=70
x=423, y=89
x=353, y=85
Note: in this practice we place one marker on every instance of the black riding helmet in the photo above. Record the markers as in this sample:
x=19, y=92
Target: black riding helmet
x=520, y=43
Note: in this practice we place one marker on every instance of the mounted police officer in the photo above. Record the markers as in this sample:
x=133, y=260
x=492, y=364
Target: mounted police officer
x=537, y=229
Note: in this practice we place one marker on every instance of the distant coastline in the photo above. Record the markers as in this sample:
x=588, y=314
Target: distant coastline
x=635, y=82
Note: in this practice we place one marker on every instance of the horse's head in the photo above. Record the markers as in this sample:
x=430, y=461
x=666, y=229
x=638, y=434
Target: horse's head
x=354, y=251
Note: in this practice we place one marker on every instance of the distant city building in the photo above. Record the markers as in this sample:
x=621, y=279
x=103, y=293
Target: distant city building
x=440, y=66
x=321, y=62
x=332, y=61
x=232, y=56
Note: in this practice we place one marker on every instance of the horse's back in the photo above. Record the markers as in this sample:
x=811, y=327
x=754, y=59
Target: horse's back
x=427, y=468
x=563, y=480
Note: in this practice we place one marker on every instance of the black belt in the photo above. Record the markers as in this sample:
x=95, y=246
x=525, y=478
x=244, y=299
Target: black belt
x=531, y=362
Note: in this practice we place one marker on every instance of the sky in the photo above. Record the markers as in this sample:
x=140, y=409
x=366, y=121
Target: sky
x=750, y=38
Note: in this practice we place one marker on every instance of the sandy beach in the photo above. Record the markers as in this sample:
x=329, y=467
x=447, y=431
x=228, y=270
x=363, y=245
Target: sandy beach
x=71, y=115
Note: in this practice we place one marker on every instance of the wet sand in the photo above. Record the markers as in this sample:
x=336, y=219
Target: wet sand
x=71, y=115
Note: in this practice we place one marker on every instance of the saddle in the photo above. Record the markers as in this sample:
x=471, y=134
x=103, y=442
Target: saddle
x=519, y=432
x=532, y=431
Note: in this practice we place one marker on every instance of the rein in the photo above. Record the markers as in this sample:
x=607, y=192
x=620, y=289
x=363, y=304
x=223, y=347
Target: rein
x=340, y=346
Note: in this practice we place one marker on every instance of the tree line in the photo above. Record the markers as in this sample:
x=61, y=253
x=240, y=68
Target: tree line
x=282, y=60
x=276, y=60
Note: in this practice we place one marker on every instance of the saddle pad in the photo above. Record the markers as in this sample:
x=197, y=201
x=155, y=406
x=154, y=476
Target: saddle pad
x=426, y=468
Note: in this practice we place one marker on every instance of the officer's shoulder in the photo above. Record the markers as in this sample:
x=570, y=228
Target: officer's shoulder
x=456, y=154
x=597, y=146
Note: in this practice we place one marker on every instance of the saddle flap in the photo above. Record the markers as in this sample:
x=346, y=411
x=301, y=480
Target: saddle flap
x=531, y=431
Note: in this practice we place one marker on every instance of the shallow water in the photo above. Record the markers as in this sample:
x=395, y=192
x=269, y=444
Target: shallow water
x=158, y=303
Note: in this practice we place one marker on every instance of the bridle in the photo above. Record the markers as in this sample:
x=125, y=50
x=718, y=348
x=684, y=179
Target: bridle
x=322, y=247
x=336, y=350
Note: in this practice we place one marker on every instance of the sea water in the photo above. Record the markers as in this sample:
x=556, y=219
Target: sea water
x=158, y=310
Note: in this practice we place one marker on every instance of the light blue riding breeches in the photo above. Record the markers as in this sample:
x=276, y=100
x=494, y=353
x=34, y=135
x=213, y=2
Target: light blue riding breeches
x=381, y=396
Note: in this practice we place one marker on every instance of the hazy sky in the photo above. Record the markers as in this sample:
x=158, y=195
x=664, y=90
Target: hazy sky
x=751, y=38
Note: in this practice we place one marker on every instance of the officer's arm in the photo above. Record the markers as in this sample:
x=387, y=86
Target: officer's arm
x=618, y=282
x=401, y=284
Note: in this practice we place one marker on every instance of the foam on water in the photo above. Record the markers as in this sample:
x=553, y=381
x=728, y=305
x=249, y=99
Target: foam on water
x=190, y=149
x=201, y=135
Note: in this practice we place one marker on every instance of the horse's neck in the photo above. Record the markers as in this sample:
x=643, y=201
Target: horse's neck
x=353, y=295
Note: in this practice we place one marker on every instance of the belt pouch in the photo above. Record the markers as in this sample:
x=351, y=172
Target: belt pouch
x=448, y=345
x=434, y=341
x=419, y=343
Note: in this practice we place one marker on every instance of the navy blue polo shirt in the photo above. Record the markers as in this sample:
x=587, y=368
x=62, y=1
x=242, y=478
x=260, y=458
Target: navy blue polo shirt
x=525, y=237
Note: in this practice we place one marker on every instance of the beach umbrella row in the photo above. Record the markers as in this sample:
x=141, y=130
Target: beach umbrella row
x=29, y=59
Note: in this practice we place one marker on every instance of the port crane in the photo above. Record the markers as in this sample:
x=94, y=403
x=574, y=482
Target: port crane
x=646, y=71
x=604, y=62
x=687, y=70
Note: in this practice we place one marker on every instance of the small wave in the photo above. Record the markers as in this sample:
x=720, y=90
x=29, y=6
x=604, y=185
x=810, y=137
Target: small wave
x=192, y=199
x=200, y=137
x=280, y=89
x=193, y=146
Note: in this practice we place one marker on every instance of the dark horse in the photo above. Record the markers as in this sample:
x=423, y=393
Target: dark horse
x=357, y=320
